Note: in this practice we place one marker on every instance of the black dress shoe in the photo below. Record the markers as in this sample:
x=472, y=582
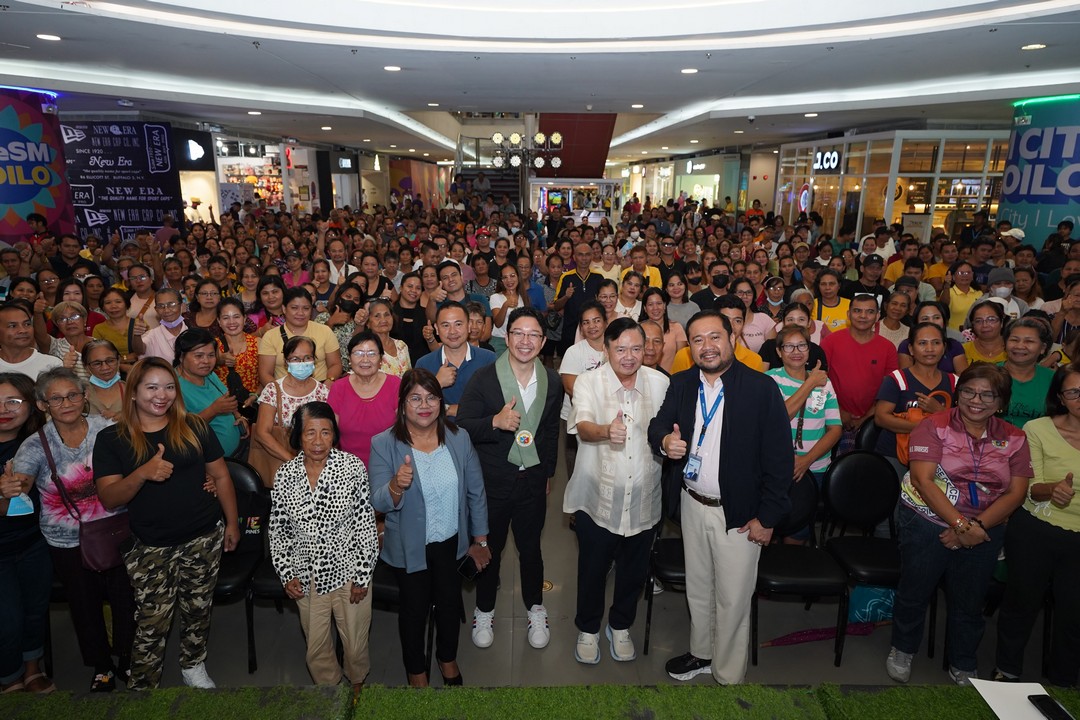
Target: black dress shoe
x=103, y=682
x=455, y=681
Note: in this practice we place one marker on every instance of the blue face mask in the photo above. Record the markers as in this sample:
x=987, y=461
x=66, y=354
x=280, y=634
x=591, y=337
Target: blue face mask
x=301, y=370
x=104, y=384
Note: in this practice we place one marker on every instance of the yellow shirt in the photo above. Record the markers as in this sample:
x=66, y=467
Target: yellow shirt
x=937, y=270
x=652, y=276
x=743, y=354
x=325, y=343
x=835, y=318
x=894, y=271
x=959, y=304
x=974, y=356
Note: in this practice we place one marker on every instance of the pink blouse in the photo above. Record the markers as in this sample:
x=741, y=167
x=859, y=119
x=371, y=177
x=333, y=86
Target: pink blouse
x=359, y=420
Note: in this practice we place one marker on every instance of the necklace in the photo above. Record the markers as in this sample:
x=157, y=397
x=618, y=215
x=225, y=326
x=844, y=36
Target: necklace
x=81, y=449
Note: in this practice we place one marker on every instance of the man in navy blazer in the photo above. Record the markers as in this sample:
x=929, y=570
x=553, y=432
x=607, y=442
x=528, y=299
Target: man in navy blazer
x=516, y=494
x=726, y=435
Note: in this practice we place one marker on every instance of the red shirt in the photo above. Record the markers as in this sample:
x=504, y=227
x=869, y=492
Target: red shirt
x=856, y=369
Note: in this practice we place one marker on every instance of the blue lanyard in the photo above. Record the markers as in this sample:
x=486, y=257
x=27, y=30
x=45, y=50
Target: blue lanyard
x=707, y=415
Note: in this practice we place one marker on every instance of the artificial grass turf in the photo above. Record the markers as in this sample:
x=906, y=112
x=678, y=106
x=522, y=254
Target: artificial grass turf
x=603, y=702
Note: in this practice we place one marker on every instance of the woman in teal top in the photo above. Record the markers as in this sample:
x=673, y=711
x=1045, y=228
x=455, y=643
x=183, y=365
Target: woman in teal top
x=1027, y=341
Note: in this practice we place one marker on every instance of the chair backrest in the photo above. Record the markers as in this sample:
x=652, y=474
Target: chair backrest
x=867, y=435
x=861, y=489
x=804, y=499
x=252, y=505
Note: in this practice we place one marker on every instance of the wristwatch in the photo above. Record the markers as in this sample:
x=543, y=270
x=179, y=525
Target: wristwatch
x=482, y=543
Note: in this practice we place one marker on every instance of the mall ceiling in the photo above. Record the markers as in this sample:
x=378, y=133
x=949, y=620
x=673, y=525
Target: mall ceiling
x=852, y=63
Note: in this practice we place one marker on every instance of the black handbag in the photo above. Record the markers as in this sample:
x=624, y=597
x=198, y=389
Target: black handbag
x=99, y=540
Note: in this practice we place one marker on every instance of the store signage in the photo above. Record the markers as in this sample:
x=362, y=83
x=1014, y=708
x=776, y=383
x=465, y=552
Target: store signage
x=805, y=198
x=123, y=175
x=32, y=178
x=194, y=150
x=827, y=162
x=345, y=163
x=1041, y=183
x=665, y=171
x=691, y=166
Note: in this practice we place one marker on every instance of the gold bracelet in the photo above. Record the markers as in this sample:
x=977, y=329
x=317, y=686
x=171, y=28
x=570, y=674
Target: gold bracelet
x=392, y=492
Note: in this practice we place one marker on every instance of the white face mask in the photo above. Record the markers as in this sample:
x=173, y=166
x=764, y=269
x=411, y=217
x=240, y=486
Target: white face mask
x=635, y=234
x=1002, y=292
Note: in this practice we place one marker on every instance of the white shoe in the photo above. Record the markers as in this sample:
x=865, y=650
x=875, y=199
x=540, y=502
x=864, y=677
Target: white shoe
x=587, y=650
x=622, y=647
x=962, y=677
x=898, y=665
x=657, y=588
x=539, y=635
x=196, y=677
x=483, y=632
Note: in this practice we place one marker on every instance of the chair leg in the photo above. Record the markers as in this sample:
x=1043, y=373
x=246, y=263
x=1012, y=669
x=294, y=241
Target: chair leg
x=753, y=628
x=249, y=610
x=841, y=628
x=649, y=580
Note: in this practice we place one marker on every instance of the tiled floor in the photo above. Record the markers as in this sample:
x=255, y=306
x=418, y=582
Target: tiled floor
x=510, y=660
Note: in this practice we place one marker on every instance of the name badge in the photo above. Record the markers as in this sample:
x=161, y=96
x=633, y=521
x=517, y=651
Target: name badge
x=693, y=467
x=523, y=438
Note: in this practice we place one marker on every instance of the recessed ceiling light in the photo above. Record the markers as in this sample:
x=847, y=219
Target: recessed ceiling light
x=412, y=149
x=393, y=146
x=425, y=154
x=688, y=71
x=810, y=115
x=433, y=104
x=391, y=68
x=644, y=152
x=739, y=132
x=665, y=147
x=254, y=112
x=637, y=106
x=327, y=127
x=775, y=152
x=1032, y=46
x=693, y=142
x=55, y=38
x=366, y=140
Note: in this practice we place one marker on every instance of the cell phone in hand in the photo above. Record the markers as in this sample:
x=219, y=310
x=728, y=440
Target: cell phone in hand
x=468, y=568
x=1049, y=707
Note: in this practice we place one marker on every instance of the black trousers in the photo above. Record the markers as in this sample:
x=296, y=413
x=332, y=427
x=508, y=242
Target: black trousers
x=1040, y=557
x=597, y=549
x=523, y=510
x=440, y=584
x=87, y=592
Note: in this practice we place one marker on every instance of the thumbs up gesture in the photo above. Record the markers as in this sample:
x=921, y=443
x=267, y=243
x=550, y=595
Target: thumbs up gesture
x=508, y=418
x=617, y=430
x=404, y=475
x=673, y=444
x=817, y=377
x=40, y=304
x=1063, y=492
x=447, y=375
x=9, y=483
x=157, y=468
x=70, y=357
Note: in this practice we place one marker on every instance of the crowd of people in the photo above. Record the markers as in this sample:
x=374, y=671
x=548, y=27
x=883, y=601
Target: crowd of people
x=404, y=378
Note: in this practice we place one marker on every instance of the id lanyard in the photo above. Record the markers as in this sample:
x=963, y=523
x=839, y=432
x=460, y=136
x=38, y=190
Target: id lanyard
x=706, y=415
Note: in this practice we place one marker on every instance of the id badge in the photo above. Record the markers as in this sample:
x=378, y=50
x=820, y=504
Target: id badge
x=693, y=467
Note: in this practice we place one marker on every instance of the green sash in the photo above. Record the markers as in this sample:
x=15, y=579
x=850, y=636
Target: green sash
x=523, y=455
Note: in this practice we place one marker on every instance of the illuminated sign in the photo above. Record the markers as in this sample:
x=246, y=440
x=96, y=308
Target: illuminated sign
x=826, y=162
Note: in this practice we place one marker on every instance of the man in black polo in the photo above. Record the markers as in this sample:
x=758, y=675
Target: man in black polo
x=869, y=282
x=719, y=274
x=576, y=287
x=67, y=258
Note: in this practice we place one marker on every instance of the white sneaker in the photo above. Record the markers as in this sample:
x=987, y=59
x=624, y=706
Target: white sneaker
x=587, y=650
x=622, y=647
x=483, y=632
x=962, y=677
x=539, y=635
x=898, y=665
x=196, y=677
x=657, y=587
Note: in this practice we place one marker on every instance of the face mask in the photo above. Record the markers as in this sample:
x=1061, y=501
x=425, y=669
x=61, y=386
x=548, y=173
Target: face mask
x=515, y=230
x=301, y=370
x=777, y=303
x=635, y=234
x=1002, y=292
x=104, y=384
x=693, y=279
x=170, y=324
x=720, y=281
x=348, y=307
x=124, y=274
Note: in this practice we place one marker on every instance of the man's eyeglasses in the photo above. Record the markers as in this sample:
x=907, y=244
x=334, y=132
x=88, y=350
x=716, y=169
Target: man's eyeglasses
x=522, y=335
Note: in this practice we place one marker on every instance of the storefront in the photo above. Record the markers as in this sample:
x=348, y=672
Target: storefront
x=374, y=180
x=922, y=178
x=345, y=178
x=583, y=197
x=713, y=178
x=195, y=159
x=248, y=170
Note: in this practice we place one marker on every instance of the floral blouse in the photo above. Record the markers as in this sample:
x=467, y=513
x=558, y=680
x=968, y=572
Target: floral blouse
x=247, y=362
x=399, y=365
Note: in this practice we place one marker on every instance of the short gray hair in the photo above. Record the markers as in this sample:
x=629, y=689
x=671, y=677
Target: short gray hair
x=56, y=374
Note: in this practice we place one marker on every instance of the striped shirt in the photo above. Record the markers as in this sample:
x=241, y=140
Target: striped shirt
x=820, y=410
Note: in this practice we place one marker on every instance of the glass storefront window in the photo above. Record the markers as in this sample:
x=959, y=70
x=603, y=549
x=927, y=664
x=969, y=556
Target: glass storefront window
x=785, y=192
x=855, y=158
x=826, y=199
x=957, y=200
x=880, y=157
x=917, y=194
x=803, y=158
x=787, y=162
x=874, y=194
x=918, y=156
x=848, y=206
x=965, y=156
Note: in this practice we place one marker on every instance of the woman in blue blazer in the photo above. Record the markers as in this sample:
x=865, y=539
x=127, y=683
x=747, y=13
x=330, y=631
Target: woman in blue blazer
x=426, y=477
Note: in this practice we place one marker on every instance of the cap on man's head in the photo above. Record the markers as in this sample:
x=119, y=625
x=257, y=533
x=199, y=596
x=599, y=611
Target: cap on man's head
x=874, y=259
x=906, y=281
x=1015, y=233
x=1001, y=275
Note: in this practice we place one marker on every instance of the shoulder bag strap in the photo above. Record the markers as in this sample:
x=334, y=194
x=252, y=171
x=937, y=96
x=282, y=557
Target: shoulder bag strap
x=145, y=307
x=279, y=416
x=284, y=336
x=69, y=505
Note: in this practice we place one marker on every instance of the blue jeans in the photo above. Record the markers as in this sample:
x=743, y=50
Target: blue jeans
x=924, y=561
x=25, y=587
